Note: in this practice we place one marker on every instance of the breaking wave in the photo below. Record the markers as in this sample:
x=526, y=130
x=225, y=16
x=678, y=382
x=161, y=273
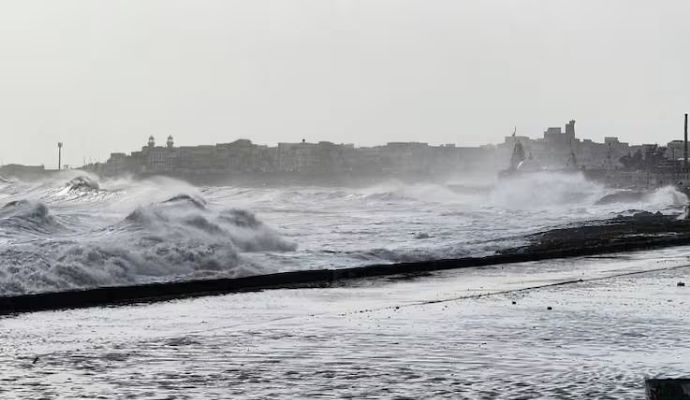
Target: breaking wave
x=83, y=182
x=666, y=197
x=561, y=191
x=184, y=216
x=76, y=231
x=179, y=238
x=545, y=190
x=29, y=217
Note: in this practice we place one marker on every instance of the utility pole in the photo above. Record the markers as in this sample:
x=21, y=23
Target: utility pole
x=59, y=156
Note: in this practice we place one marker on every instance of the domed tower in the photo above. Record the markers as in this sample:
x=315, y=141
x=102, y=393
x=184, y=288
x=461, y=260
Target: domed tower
x=170, y=143
x=152, y=141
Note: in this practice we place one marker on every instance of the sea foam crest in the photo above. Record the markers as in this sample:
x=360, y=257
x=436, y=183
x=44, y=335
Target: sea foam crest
x=179, y=238
x=545, y=190
x=28, y=216
x=83, y=182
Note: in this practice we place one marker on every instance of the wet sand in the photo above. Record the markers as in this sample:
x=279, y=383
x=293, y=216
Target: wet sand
x=454, y=334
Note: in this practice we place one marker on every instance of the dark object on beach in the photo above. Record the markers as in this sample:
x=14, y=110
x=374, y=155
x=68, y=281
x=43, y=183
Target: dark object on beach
x=549, y=308
x=35, y=360
x=668, y=389
x=515, y=302
x=680, y=284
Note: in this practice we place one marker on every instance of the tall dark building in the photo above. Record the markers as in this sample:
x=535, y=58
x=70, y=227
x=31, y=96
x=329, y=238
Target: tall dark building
x=570, y=130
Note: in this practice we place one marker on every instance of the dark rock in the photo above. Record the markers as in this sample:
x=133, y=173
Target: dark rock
x=680, y=284
x=643, y=230
x=662, y=389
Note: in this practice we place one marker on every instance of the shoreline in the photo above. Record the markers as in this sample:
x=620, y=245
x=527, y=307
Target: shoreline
x=643, y=231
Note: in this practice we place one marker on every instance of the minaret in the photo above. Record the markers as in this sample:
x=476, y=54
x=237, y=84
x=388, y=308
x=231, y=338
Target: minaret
x=170, y=143
x=152, y=141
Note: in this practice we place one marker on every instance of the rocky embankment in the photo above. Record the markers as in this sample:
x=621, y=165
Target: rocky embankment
x=641, y=231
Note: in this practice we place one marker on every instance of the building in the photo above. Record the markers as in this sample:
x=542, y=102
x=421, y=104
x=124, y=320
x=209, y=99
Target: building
x=675, y=150
x=557, y=147
x=24, y=171
x=242, y=157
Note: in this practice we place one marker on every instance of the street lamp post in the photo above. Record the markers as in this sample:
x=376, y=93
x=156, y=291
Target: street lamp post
x=59, y=156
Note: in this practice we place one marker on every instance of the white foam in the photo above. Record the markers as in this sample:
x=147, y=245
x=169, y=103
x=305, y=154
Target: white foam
x=125, y=231
x=177, y=239
x=543, y=190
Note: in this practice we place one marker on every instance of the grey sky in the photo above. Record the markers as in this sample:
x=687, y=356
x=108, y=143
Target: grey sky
x=103, y=75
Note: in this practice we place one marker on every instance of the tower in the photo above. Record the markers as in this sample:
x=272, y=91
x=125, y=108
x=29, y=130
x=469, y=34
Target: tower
x=570, y=130
x=170, y=143
x=152, y=141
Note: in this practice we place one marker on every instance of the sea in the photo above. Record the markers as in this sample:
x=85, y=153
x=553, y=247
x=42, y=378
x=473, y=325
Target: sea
x=588, y=327
x=77, y=231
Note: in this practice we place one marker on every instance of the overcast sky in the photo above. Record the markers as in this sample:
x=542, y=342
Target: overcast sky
x=104, y=75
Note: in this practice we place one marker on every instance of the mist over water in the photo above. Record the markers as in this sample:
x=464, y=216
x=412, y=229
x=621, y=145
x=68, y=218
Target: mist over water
x=76, y=231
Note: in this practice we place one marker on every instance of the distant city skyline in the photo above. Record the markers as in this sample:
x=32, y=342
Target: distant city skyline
x=161, y=139
x=103, y=76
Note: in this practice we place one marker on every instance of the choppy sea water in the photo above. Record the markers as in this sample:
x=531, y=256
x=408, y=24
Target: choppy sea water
x=456, y=334
x=75, y=231
x=478, y=333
